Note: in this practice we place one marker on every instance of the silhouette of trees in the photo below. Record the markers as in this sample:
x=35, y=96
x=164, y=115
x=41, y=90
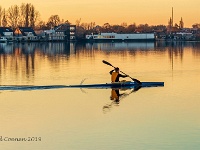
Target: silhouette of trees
x=53, y=21
x=4, y=20
x=41, y=26
x=78, y=22
x=13, y=14
x=23, y=15
x=196, y=25
x=131, y=28
x=117, y=28
x=1, y=14
x=26, y=15
x=29, y=15
x=106, y=28
x=90, y=28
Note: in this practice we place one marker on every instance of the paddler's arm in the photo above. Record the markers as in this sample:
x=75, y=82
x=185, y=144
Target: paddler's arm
x=123, y=76
x=111, y=71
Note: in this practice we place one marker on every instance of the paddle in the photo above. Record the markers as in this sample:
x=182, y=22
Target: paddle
x=107, y=63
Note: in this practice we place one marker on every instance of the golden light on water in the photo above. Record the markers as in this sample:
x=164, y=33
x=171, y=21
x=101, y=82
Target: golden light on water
x=21, y=66
x=64, y=116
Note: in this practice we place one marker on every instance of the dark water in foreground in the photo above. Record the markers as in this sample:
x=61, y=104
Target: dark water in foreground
x=83, y=119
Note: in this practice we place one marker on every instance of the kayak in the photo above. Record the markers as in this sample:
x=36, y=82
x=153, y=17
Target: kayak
x=120, y=85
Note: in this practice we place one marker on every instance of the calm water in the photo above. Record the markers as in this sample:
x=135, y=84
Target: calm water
x=156, y=118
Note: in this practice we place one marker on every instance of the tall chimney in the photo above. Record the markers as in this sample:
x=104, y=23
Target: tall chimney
x=172, y=17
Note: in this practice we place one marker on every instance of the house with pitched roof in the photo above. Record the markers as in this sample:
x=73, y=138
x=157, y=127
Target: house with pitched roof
x=25, y=34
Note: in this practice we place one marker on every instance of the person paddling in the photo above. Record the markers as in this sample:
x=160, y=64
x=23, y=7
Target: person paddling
x=115, y=75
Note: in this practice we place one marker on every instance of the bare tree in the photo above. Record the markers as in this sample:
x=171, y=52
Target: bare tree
x=1, y=14
x=41, y=26
x=4, y=20
x=84, y=26
x=78, y=22
x=196, y=25
x=143, y=28
x=92, y=25
x=106, y=27
x=117, y=29
x=27, y=15
x=53, y=21
x=124, y=24
x=22, y=14
x=131, y=28
x=67, y=22
x=36, y=17
x=13, y=15
x=32, y=16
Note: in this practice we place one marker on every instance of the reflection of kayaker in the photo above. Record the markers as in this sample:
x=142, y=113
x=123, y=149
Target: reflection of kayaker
x=116, y=97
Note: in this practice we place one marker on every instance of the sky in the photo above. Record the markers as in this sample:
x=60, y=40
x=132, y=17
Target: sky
x=152, y=12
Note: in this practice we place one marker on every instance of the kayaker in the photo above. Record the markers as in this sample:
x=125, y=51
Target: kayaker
x=115, y=75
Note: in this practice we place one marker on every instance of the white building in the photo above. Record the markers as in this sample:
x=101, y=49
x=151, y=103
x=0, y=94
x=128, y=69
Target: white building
x=121, y=37
x=6, y=33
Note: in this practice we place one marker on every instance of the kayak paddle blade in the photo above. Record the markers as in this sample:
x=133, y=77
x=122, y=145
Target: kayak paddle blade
x=107, y=63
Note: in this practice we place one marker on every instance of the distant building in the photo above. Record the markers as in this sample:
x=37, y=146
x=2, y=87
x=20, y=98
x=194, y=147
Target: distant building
x=120, y=37
x=63, y=32
x=25, y=34
x=7, y=33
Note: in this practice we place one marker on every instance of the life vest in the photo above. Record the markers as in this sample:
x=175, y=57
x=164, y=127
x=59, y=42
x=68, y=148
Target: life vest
x=114, y=76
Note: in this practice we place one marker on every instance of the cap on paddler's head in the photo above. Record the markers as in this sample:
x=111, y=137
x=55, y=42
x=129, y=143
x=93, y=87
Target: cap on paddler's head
x=116, y=69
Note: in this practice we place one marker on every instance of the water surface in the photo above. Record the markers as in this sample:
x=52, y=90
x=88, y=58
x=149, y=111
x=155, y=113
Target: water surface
x=83, y=119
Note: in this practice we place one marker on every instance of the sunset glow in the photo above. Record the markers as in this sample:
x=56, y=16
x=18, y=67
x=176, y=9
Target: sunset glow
x=152, y=12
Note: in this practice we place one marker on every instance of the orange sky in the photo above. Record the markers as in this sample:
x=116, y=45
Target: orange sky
x=152, y=12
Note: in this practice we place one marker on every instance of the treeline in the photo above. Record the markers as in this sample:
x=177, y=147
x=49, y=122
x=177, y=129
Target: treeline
x=26, y=15
x=88, y=28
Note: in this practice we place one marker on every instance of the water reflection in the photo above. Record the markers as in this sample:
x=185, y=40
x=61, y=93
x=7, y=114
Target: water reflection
x=120, y=46
x=23, y=59
x=176, y=49
x=117, y=95
x=67, y=49
x=46, y=48
x=64, y=116
x=20, y=59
